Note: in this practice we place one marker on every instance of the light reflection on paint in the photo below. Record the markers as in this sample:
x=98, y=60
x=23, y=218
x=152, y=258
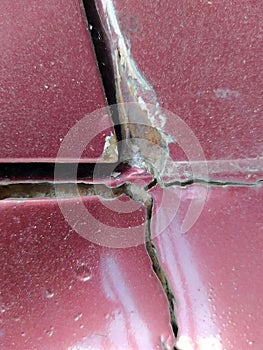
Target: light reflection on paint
x=197, y=328
x=116, y=288
x=208, y=343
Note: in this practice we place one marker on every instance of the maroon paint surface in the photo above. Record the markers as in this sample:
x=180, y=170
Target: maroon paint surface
x=49, y=79
x=215, y=268
x=60, y=291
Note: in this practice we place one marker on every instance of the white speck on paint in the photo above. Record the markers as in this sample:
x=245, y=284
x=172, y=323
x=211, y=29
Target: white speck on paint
x=225, y=93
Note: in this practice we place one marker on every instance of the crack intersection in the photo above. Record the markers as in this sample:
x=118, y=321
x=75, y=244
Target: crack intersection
x=123, y=82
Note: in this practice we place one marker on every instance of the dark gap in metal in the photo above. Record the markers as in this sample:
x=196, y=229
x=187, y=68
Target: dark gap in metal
x=151, y=185
x=104, y=60
x=45, y=171
x=59, y=190
x=159, y=270
x=140, y=195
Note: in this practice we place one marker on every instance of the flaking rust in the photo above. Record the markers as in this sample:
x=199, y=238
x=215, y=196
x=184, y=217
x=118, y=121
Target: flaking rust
x=144, y=143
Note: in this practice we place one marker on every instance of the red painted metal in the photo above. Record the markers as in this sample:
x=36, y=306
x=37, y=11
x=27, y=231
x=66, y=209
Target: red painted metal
x=90, y=285
x=49, y=79
x=61, y=291
x=215, y=268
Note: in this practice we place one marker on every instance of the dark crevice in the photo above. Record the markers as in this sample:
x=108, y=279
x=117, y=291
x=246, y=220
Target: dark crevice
x=60, y=190
x=159, y=271
x=151, y=185
x=104, y=60
x=45, y=171
x=71, y=189
x=140, y=195
x=102, y=51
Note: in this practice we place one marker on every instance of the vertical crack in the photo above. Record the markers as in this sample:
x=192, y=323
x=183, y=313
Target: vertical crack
x=140, y=195
x=63, y=190
x=125, y=85
x=104, y=60
x=159, y=270
x=137, y=114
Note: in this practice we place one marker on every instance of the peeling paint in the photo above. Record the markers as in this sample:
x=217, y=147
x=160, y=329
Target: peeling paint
x=58, y=190
x=110, y=151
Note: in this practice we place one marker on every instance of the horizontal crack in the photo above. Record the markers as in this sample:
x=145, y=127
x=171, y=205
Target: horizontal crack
x=59, y=190
x=64, y=190
x=44, y=172
x=212, y=183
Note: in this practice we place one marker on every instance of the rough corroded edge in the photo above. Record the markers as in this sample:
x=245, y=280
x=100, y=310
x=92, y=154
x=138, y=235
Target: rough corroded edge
x=141, y=118
x=59, y=190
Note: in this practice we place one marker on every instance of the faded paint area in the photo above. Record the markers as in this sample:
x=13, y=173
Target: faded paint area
x=110, y=151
